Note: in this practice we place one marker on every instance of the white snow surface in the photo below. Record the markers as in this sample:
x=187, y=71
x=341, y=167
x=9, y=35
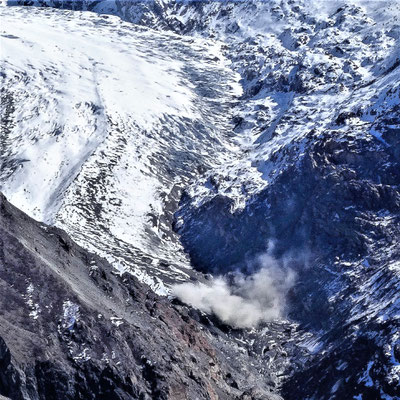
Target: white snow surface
x=103, y=121
x=314, y=60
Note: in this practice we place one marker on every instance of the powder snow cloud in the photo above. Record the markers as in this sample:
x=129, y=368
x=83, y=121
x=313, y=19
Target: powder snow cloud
x=243, y=301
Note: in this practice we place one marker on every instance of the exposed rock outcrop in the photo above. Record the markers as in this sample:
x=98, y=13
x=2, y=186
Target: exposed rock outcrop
x=72, y=328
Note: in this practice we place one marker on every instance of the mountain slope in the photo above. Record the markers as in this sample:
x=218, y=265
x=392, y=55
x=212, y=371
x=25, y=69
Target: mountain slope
x=104, y=124
x=308, y=158
x=71, y=328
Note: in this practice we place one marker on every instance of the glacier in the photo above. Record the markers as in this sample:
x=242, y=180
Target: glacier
x=208, y=129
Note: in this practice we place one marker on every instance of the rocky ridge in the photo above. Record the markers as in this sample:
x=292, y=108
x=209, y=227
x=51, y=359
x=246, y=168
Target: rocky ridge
x=72, y=328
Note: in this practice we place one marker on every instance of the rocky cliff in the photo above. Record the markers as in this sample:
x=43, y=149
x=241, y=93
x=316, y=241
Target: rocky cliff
x=73, y=328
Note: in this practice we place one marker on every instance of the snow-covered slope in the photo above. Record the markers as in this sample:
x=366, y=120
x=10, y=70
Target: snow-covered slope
x=104, y=123
x=305, y=74
x=308, y=156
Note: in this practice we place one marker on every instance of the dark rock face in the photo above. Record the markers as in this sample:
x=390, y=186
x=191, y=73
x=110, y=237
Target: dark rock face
x=9, y=381
x=72, y=329
x=332, y=203
x=327, y=203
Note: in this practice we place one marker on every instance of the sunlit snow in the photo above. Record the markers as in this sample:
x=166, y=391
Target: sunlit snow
x=106, y=123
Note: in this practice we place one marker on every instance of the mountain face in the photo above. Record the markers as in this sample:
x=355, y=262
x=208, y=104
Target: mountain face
x=113, y=104
x=187, y=143
x=73, y=328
